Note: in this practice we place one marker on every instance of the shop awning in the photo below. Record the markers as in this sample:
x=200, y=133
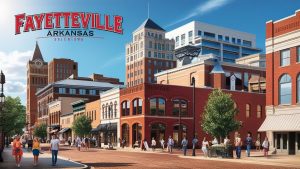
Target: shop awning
x=105, y=127
x=64, y=130
x=282, y=122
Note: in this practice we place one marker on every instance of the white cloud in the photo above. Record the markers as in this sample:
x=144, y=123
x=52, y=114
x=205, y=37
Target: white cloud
x=113, y=61
x=13, y=65
x=202, y=9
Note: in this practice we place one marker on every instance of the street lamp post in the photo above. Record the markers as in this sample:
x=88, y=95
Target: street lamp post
x=194, y=120
x=2, y=98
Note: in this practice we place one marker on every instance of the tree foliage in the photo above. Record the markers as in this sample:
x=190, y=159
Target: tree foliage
x=13, y=116
x=40, y=130
x=82, y=125
x=219, y=114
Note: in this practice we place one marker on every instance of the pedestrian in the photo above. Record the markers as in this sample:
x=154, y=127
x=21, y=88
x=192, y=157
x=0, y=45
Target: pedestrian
x=54, y=146
x=265, y=146
x=205, y=146
x=153, y=144
x=36, y=151
x=17, y=150
x=123, y=142
x=78, y=143
x=248, y=142
x=86, y=143
x=162, y=144
x=215, y=141
x=184, y=144
x=257, y=143
x=146, y=146
x=226, y=144
x=195, y=141
x=238, y=146
x=170, y=144
x=69, y=141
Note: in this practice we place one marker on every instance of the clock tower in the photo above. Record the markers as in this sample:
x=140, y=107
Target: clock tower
x=37, y=78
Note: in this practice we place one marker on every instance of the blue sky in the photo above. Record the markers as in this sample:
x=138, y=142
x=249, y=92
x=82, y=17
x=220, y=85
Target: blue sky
x=106, y=56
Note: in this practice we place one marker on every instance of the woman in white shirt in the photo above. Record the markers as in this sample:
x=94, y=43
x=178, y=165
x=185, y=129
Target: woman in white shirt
x=265, y=146
x=205, y=145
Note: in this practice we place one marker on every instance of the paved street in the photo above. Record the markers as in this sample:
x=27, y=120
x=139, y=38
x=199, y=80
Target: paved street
x=136, y=159
x=44, y=161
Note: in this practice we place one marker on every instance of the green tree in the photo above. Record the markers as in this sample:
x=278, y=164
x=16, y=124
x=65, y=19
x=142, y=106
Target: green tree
x=41, y=131
x=82, y=125
x=219, y=115
x=13, y=116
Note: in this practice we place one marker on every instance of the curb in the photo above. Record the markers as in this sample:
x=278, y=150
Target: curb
x=68, y=159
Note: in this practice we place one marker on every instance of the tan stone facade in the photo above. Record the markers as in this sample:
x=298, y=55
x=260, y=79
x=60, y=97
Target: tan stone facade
x=92, y=110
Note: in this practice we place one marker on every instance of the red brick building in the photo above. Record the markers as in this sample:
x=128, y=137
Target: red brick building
x=60, y=69
x=283, y=84
x=37, y=78
x=152, y=110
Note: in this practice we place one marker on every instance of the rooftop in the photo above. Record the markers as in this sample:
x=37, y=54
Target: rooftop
x=149, y=23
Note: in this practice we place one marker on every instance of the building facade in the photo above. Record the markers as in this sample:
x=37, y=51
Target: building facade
x=66, y=121
x=257, y=60
x=60, y=69
x=148, y=53
x=227, y=44
x=37, y=78
x=110, y=117
x=92, y=110
x=159, y=111
x=283, y=84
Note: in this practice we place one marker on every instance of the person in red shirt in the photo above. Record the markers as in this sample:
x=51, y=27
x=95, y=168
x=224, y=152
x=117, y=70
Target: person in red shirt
x=17, y=150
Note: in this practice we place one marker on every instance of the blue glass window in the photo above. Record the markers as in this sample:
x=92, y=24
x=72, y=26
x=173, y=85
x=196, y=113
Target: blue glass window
x=285, y=89
x=285, y=57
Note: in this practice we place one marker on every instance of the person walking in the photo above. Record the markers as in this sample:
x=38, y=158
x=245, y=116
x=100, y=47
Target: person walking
x=170, y=144
x=123, y=142
x=248, y=142
x=36, y=150
x=257, y=143
x=78, y=143
x=194, y=141
x=86, y=143
x=54, y=146
x=17, y=150
x=205, y=146
x=265, y=146
x=69, y=141
x=153, y=144
x=162, y=144
x=238, y=146
x=184, y=144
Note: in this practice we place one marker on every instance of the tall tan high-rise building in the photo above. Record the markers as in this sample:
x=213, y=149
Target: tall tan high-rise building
x=37, y=78
x=60, y=69
x=148, y=53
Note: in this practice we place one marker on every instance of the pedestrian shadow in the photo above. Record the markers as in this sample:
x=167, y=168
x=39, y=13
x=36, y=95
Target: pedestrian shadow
x=109, y=164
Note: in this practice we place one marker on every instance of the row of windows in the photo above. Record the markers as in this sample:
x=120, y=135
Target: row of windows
x=62, y=90
x=285, y=56
x=135, y=56
x=39, y=80
x=285, y=89
x=135, y=73
x=258, y=111
x=135, y=64
x=160, y=55
x=135, y=82
x=161, y=63
x=109, y=111
x=211, y=35
x=154, y=35
x=91, y=114
x=161, y=46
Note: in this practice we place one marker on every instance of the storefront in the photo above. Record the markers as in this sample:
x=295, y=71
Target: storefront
x=108, y=135
x=64, y=134
x=283, y=132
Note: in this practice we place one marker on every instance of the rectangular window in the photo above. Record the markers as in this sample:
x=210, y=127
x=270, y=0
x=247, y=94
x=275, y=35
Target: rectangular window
x=155, y=54
x=190, y=36
x=149, y=54
x=209, y=35
x=233, y=40
x=72, y=91
x=182, y=39
x=177, y=41
x=199, y=33
x=239, y=41
x=227, y=38
x=82, y=91
x=298, y=57
x=247, y=43
x=285, y=57
x=92, y=92
x=220, y=37
x=150, y=44
x=62, y=90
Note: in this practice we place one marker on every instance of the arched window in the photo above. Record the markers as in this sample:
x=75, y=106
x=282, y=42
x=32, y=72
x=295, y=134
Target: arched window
x=258, y=111
x=111, y=110
x=298, y=86
x=103, y=110
x=137, y=106
x=157, y=106
x=106, y=110
x=248, y=110
x=179, y=105
x=115, y=109
x=285, y=89
x=125, y=108
x=125, y=133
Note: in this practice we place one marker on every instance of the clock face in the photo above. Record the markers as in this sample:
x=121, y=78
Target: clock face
x=38, y=63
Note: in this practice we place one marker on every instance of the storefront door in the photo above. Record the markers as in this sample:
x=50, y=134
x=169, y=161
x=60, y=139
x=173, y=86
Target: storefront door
x=292, y=145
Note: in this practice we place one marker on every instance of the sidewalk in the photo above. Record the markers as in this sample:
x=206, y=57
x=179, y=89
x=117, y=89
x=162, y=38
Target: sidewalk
x=44, y=161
